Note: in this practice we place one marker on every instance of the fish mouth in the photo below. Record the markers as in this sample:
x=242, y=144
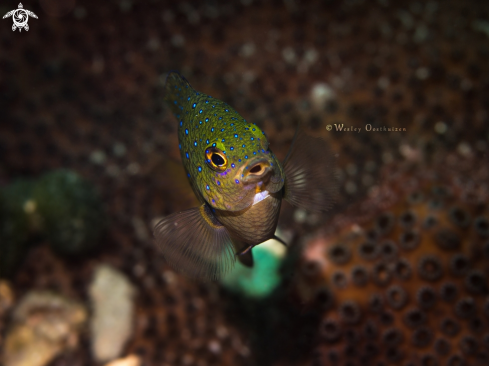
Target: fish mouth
x=257, y=170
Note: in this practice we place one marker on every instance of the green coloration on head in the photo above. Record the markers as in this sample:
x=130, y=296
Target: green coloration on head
x=219, y=149
x=262, y=279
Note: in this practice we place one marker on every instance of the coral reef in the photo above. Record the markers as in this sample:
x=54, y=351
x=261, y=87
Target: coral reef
x=82, y=90
x=410, y=284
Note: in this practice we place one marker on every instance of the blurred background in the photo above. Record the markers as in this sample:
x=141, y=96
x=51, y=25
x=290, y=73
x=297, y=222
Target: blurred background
x=396, y=273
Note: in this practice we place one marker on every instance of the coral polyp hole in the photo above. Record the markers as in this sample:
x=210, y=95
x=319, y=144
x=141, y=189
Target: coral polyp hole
x=429, y=222
x=388, y=250
x=429, y=360
x=469, y=345
x=442, y=347
x=407, y=219
x=350, y=312
x=429, y=268
x=402, y=270
x=396, y=297
x=311, y=268
x=449, y=327
x=448, y=292
x=359, y=276
x=455, y=360
x=422, y=337
x=414, y=318
x=476, y=283
x=392, y=337
x=376, y=303
x=482, y=226
x=409, y=240
x=339, y=280
x=368, y=251
x=465, y=308
x=385, y=223
x=324, y=298
x=459, y=265
x=339, y=254
x=426, y=297
x=447, y=239
x=459, y=217
x=331, y=330
x=381, y=275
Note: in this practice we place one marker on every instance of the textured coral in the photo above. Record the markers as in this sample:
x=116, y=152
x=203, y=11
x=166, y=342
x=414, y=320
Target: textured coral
x=407, y=286
x=83, y=92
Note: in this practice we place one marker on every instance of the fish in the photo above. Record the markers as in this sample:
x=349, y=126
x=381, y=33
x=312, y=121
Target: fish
x=239, y=182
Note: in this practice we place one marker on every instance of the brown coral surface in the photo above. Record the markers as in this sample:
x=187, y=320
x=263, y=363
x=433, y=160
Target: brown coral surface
x=82, y=90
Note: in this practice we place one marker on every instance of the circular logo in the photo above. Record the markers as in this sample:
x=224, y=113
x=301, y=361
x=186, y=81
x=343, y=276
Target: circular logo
x=20, y=18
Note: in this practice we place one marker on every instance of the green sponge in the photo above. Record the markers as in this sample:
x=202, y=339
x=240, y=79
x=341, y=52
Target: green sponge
x=260, y=280
x=72, y=212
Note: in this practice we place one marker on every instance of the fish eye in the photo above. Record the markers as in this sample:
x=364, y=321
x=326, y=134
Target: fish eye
x=216, y=158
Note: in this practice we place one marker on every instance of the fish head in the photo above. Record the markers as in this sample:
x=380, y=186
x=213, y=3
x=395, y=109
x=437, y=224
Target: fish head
x=227, y=159
x=238, y=164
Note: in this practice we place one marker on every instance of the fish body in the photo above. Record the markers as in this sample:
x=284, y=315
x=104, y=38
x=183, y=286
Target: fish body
x=239, y=182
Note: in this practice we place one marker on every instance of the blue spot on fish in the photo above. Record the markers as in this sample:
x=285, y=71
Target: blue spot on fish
x=194, y=105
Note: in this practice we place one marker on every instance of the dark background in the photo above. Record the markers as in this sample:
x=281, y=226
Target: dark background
x=82, y=90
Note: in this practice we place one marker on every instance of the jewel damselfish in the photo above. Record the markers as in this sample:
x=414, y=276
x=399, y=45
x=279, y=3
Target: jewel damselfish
x=239, y=182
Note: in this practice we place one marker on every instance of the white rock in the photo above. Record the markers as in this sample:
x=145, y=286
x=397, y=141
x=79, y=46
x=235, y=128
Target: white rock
x=111, y=325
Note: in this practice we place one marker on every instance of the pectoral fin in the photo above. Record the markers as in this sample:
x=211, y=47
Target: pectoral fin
x=195, y=243
x=309, y=167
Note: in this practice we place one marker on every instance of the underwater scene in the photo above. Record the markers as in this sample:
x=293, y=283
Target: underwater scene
x=244, y=182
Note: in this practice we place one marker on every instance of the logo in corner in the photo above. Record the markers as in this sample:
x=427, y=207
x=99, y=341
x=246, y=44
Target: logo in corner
x=20, y=17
